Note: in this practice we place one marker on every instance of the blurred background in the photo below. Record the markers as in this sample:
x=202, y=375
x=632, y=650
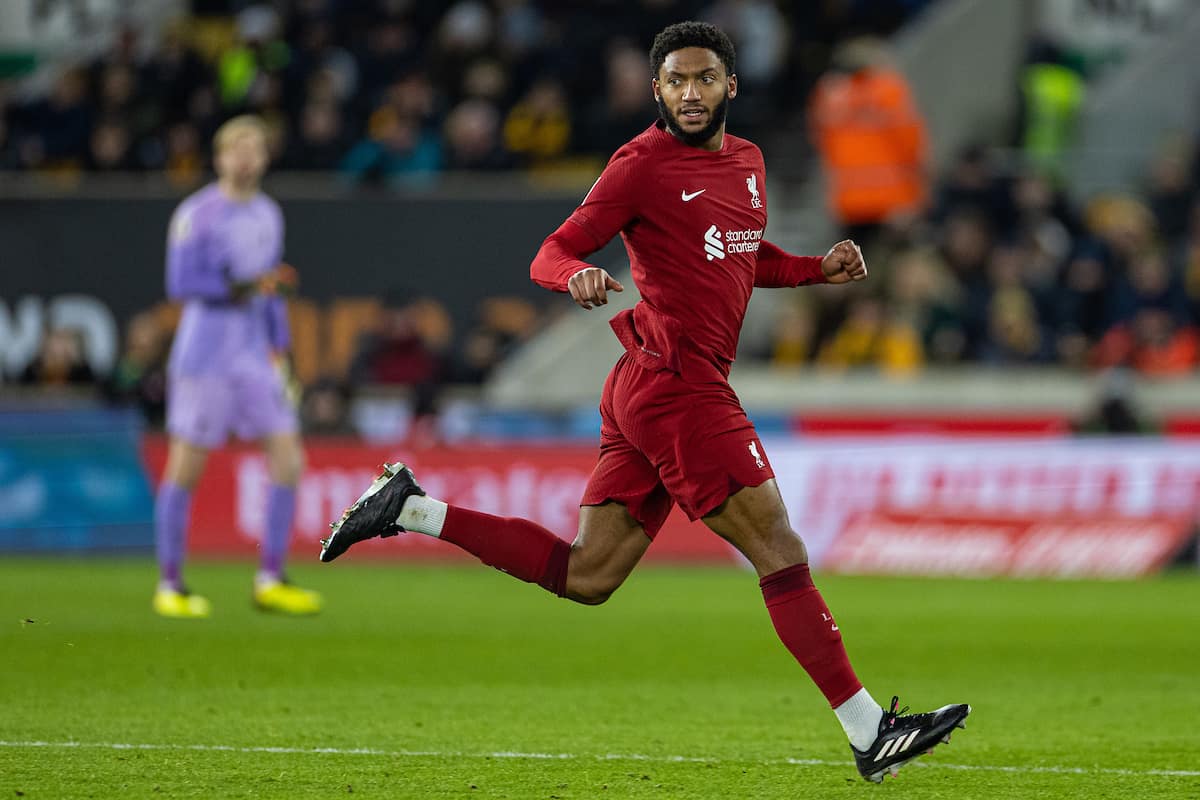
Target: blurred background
x=1015, y=390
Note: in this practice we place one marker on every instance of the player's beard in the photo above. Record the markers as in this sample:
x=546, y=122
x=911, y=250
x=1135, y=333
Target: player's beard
x=704, y=134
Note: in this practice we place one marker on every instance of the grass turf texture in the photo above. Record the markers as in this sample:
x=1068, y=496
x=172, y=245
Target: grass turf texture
x=438, y=671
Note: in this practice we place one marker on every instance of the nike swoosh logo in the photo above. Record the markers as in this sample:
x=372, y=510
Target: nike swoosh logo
x=685, y=196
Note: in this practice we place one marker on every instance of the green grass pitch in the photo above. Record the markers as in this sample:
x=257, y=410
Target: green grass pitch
x=438, y=682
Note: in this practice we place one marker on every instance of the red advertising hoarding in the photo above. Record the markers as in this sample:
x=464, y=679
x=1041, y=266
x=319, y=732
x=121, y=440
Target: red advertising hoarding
x=938, y=505
x=935, y=505
x=986, y=546
x=541, y=483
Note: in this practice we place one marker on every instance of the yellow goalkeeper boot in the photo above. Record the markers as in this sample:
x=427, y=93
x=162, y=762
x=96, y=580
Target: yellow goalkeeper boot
x=178, y=603
x=276, y=594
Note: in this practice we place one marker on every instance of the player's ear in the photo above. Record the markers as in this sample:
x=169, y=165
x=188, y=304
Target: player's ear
x=732, y=86
x=654, y=89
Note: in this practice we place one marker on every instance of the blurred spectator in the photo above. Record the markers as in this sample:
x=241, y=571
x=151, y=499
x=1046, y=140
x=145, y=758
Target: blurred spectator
x=55, y=130
x=174, y=73
x=7, y=157
x=1153, y=343
x=1115, y=409
x=140, y=375
x=794, y=336
x=966, y=240
x=325, y=409
x=1124, y=224
x=60, y=361
x=413, y=95
x=1120, y=231
x=244, y=71
x=1051, y=94
x=1188, y=258
x=123, y=53
x=1172, y=189
x=408, y=346
x=1039, y=211
x=504, y=324
x=392, y=48
x=1014, y=335
x=871, y=139
x=813, y=27
x=1082, y=315
x=520, y=31
x=395, y=150
x=759, y=32
x=184, y=164
x=464, y=34
x=485, y=79
x=870, y=337
x=204, y=111
x=538, y=127
x=971, y=184
x=1007, y=328
x=924, y=295
x=110, y=147
x=1148, y=282
x=626, y=108
x=472, y=137
x=319, y=141
x=317, y=54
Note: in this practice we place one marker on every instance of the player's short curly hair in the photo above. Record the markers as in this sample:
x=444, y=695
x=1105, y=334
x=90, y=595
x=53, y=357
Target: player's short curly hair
x=692, y=34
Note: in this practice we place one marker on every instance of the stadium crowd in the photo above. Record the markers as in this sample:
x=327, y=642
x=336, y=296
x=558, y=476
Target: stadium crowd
x=994, y=265
x=396, y=90
x=1002, y=269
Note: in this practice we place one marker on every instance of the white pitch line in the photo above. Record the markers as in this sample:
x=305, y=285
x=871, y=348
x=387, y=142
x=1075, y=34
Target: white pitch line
x=800, y=762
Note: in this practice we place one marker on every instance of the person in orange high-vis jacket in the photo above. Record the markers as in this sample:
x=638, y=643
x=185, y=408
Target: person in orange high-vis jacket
x=871, y=139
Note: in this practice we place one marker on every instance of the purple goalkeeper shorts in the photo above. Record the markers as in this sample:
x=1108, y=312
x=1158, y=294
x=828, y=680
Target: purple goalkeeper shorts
x=204, y=410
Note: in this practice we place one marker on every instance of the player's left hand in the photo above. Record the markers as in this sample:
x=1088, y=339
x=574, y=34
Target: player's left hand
x=844, y=263
x=281, y=279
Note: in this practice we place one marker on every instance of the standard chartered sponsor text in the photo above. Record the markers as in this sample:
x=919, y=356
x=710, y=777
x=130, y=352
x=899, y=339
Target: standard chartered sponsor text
x=743, y=241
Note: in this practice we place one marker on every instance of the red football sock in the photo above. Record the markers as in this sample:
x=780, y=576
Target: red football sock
x=517, y=546
x=808, y=631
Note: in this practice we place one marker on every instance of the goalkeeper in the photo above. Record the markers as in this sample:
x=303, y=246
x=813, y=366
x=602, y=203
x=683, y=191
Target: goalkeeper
x=228, y=367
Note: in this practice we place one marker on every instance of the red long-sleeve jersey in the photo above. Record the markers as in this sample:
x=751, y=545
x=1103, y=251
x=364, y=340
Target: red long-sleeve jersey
x=692, y=221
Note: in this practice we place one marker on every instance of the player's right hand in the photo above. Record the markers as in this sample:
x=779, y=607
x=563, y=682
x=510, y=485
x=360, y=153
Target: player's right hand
x=590, y=286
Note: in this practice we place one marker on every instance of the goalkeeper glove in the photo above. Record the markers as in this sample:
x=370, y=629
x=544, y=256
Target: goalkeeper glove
x=282, y=279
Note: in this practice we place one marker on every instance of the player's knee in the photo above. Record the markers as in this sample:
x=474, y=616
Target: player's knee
x=773, y=549
x=589, y=598
x=288, y=473
x=285, y=464
x=591, y=590
x=785, y=547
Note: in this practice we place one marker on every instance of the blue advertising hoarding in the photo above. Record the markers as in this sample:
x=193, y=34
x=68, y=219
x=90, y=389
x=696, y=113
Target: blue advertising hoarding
x=72, y=480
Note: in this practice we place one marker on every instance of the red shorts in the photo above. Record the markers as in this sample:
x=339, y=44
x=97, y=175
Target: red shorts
x=664, y=440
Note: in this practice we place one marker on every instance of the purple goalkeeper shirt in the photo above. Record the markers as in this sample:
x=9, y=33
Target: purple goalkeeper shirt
x=213, y=243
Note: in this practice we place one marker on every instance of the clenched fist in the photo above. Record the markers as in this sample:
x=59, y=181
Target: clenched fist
x=843, y=263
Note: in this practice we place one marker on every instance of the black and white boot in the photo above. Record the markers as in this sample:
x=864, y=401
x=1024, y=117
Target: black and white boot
x=374, y=513
x=902, y=737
